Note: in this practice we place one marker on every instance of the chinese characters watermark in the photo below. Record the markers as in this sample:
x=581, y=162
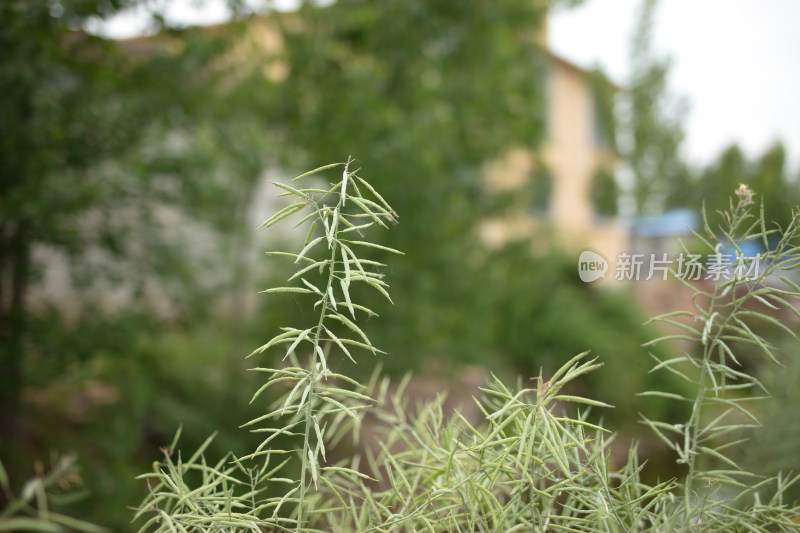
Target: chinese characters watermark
x=635, y=266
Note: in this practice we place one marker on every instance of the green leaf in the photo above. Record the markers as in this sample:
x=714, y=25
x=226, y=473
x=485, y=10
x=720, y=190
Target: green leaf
x=317, y=170
x=311, y=229
x=347, y=393
x=292, y=191
x=286, y=336
x=579, y=399
x=308, y=247
x=283, y=213
x=29, y=524
x=287, y=254
x=320, y=440
x=378, y=196
x=174, y=446
x=299, y=290
x=311, y=286
x=771, y=320
x=73, y=524
x=361, y=345
x=340, y=406
x=320, y=264
x=377, y=285
x=346, y=293
x=667, y=395
x=346, y=264
x=3, y=477
x=339, y=343
x=567, y=366
x=718, y=455
x=655, y=427
x=339, y=497
x=361, y=203
x=304, y=335
x=373, y=245
x=350, y=324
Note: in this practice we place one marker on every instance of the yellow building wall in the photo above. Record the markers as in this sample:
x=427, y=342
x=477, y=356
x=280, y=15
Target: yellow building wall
x=569, y=151
x=571, y=155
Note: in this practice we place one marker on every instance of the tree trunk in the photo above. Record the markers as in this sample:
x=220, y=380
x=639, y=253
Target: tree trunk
x=14, y=270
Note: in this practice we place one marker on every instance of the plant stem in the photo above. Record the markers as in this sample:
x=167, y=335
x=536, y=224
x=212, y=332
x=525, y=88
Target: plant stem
x=738, y=214
x=694, y=421
x=313, y=377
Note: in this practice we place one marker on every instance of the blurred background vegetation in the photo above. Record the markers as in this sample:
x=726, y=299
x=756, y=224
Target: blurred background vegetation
x=128, y=257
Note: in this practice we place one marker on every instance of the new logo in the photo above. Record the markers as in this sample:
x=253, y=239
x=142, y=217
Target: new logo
x=591, y=266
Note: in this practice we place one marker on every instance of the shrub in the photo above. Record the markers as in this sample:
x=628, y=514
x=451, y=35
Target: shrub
x=33, y=509
x=533, y=464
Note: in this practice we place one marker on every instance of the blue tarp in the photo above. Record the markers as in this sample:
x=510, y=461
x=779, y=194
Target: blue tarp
x=676, y=222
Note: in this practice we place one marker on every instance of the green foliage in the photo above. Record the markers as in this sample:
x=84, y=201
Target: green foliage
x=428, y=92
x=605, y=120
x=774, y=448
x=724, y=390
x=726, y=174
x=121, y=163
x=528, y=465
x=319, y=398
x=35, y=508
x=538, y=310
x=89, y=164
x=540, y=189
x=108, y=388
x=767, y=175
x=98, y=143
x=654, y=125
x=604, y=193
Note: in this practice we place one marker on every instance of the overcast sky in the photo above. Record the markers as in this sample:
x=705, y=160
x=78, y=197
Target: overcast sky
x=736, y=62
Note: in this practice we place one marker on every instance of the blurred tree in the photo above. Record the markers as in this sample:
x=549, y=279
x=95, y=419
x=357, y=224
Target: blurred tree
x=721, y=178
x=90, y=146
x=604, y=193
x=605, y=114
x=767, y=176
x=424, y=94
x=54, y=90
x=604, y=190
x=540, y=312
x=770, y=181
x=654, y=126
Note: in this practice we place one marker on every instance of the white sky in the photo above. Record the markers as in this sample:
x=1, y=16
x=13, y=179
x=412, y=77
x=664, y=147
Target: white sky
x=736, y=62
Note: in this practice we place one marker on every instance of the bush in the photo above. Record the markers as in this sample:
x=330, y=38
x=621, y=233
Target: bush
x=533, y=464
x=35, y=509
